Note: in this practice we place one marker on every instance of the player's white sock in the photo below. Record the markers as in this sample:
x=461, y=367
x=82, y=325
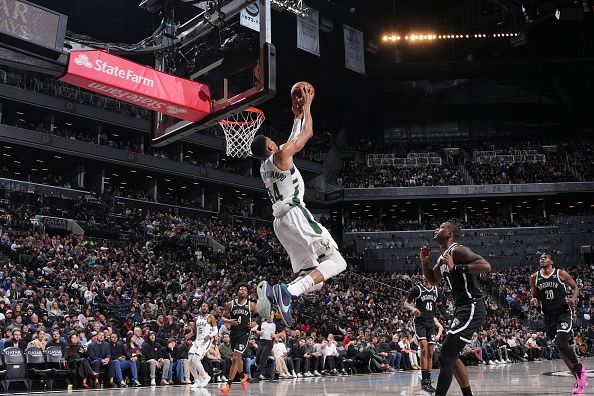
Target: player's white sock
x=301, y=286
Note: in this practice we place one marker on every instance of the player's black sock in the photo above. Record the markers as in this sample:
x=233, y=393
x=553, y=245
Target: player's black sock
x=467, y=391
x=424, y=375
x=577, y=370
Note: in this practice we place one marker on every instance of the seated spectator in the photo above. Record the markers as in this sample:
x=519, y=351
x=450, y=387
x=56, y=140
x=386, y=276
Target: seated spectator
x=75, y=356
x=219, y=365
x=121, y=360
x=100, y=355
x=40, y=341
x=153, y=354
x=16, y=341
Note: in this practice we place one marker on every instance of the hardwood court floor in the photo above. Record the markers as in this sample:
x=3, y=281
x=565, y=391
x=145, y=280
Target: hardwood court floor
x=519, y=379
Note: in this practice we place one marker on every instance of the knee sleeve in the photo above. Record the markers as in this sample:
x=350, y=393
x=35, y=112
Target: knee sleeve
x=562, y=343
x=332, y=265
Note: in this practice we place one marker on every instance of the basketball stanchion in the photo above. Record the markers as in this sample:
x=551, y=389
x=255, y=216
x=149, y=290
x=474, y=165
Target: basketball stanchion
x=240, y=130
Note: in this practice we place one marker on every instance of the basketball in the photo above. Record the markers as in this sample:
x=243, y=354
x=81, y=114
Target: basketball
x=296, y=90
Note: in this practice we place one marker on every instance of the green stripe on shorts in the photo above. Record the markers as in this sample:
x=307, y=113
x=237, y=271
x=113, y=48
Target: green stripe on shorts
x=312, y=223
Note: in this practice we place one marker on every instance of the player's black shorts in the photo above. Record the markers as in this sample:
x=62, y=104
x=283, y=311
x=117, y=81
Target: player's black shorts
x=468, y=318
x=239, y=341
x=425, y=329
x=561, y=322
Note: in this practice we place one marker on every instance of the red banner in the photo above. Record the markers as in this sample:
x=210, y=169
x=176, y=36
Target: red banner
x=143, y=86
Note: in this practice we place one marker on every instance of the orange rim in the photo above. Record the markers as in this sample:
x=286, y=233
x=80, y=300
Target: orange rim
x=259, y=113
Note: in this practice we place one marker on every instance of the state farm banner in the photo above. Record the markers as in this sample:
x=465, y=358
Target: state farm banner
x=308, y=32
x=143, y=86
x=354, y=49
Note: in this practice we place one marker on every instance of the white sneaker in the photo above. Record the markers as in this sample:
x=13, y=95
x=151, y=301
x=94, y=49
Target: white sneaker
x=508, y=361
x=317, y=374
x=262, y=377
x=223, y=378
x=164, y=382
x=308, y=374
x=204, y=381
x=299, y=375
x=491, y=363
x=294, y=374
x=153, y=382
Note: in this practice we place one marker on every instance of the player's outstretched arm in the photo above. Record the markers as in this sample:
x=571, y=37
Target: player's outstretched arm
x=470, y=261
x=294, y=146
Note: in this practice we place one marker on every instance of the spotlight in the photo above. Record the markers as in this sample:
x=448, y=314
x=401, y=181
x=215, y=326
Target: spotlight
x=385, y=38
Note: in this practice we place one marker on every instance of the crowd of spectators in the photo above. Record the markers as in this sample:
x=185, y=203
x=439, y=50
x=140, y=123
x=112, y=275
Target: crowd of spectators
x=152, y=283
x=581, y=157
x=475, y=220
x=552, y=171
x=354, y=175
x=538, y=166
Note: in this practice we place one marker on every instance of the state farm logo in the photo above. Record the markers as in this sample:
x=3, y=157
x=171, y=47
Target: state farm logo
x=111, y=68
x=175, y=110
x=83, y=60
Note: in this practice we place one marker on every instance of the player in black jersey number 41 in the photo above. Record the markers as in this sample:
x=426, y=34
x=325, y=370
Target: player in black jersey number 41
x=548, y=286
x=238, y=317
x=422, y=301
x=458, y=266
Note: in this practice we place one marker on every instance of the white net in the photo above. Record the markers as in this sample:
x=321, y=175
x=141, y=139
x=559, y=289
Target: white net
x=240, y=130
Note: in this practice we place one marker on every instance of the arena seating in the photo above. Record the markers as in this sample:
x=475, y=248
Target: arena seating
x=158, y=269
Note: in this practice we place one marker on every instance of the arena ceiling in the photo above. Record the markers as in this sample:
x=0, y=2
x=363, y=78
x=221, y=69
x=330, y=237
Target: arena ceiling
x=556, y=62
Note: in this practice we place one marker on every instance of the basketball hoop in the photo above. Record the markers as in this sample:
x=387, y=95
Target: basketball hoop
x=240, y=130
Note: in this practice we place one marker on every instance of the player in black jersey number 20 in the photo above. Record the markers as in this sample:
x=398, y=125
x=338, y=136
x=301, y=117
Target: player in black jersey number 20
x=458, y=265
x=548, y=286
x=238, y=317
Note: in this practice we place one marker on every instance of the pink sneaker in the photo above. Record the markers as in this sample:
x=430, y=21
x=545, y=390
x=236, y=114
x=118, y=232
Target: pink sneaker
x=580, y=383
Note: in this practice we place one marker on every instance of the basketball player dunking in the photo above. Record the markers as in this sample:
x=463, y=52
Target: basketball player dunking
x=206, y=329
x=548, y=286
x=238, y=317
x=458, y=265
x=314, y=254
x=422, y=300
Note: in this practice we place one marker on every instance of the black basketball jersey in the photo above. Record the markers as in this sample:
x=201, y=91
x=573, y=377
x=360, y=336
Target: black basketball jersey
x=242, y=314
x=551, y=293
x=465, y=287
x=424, y=299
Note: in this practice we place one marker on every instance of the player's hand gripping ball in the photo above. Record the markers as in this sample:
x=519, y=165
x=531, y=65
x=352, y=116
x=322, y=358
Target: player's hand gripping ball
x=297, y=99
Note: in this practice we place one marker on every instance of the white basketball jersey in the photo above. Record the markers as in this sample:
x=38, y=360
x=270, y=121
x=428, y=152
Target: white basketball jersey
x=285, y=188
x=203, y=328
